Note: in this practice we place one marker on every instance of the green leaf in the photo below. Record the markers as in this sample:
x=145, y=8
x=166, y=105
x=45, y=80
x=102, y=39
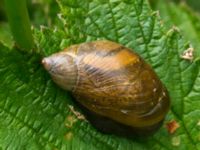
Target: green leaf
x=184, y=18
x=36, y=114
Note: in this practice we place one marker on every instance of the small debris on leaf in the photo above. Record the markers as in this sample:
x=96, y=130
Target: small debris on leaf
x=68, y=136
x=198, y=123
x=70, y=120
x=188, y=54
x=172, y=126
x=76, y=113
x=176, y=141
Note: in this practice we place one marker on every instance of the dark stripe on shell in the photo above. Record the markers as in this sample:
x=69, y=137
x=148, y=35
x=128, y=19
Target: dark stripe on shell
x=91, y=48
x=111, y=52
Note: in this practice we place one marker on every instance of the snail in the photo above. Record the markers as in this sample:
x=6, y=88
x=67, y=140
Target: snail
x=116, y=89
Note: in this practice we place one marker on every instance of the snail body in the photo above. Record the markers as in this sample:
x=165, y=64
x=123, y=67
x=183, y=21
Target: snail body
x=116, y=88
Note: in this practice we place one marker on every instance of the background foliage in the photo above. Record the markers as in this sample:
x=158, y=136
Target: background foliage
x=36, y=114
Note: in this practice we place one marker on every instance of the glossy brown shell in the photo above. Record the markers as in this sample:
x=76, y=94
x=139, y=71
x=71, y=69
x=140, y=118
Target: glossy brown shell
x=116, y=83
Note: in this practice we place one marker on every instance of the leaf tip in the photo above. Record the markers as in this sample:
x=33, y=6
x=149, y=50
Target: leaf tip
x=174, y=29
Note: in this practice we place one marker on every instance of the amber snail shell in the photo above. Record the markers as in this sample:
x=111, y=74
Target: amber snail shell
x=117, y=89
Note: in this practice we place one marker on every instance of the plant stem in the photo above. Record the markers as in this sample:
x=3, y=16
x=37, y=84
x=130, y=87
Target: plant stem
x=20, y=24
